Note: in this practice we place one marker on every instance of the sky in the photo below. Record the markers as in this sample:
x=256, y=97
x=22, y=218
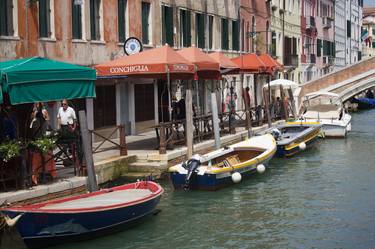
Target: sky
x=367, y=3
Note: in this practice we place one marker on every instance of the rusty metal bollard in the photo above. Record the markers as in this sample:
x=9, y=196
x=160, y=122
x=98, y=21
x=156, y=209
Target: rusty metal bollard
x=123, y=148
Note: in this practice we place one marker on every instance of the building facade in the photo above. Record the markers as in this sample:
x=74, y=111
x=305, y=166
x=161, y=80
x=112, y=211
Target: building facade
x=309, y=40
x=354, y=24
x=91, y=32
x=286, y=36
x=340, y=34
x=368, y=36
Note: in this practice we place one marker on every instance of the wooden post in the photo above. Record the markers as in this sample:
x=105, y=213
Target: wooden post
x=163, y=142
x=189, y=121
x=87, y=149
x=215, y=120
x=123, y=148
x=266, y=100
x=283, y=103
x=292, y=102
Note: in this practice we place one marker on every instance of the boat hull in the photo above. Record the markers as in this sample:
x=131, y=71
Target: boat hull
x=40, y=229
x=285, y=151
x=212, y=182
x=365, y=103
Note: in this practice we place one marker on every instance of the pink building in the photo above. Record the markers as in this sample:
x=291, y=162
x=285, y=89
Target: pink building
x=255, y=25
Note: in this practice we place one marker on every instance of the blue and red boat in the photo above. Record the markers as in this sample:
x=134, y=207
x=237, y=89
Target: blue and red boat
x=85, y=216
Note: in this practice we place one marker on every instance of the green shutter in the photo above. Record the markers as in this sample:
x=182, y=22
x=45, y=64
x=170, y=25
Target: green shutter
x=43, y=31
x=199, y=30
x=92, y=20
x=210, y=31
x=235, y=36
x=348, y=29
x=145, y=22
x=121, y=20
x=169, y=26
x=185, y=28
x=188, y=29
x=224, y=34
x=318, y=48
x=3, y=17
x=76, y=21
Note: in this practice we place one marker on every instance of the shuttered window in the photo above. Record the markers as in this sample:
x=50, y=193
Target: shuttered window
x=145, y=23
x=167, y=25
x=121, y=20
x=95, y=19
x=76, y=20
x=6, y=18
x=210, y=31
x=224, y=34
x=185, y=28
x=199, y=30
x=44, y=18
x=319, y=48
x=348, y=28
x=236, y=35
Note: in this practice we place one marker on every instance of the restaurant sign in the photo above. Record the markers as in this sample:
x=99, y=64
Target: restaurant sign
x=129, y=69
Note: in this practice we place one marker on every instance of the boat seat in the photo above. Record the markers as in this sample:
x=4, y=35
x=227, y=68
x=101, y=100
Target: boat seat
x=233, y=160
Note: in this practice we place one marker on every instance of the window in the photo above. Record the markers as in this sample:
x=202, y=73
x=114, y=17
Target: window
x=185, y=28
x=44, y=18
x=253, y=29
x=319, y=48
x=224, y=34
x=146, y=22
x=122, y=5
x=210, y=32
x=235, y=35
x=273, y=44
x=105, y=106
x=199, y=30
x=76, y=20
x=167, y=25
x=348, y=29
x=95, y=19
x=6, y=18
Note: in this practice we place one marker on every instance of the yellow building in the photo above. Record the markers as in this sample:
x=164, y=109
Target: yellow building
x=286, y=36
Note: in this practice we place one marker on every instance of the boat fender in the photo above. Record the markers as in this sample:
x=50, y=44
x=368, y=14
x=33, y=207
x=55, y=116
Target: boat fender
x=261, y=168
x=236, y=177
x=302, y=146
x=276, y=133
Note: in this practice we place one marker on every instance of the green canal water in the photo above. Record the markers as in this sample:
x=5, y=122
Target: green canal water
x=322, y=198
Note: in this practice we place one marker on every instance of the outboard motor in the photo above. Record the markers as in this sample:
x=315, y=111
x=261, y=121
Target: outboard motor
x=276, y=133
x=191, y=165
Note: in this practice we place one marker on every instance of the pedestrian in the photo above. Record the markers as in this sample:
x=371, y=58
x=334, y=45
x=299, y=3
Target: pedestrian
x=66, y=120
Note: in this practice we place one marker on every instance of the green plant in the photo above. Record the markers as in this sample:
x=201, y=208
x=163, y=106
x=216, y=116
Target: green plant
x=10, y=149
x=44, y=145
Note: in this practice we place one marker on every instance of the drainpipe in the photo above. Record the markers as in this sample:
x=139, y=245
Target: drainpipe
x=283, y=37
x=27, y=28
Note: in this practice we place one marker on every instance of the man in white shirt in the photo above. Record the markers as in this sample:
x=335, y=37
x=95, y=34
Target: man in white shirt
x=66, y=117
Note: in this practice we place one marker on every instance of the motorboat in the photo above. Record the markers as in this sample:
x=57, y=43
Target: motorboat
x=225, y=166
x=327, y=108
x=294, y=137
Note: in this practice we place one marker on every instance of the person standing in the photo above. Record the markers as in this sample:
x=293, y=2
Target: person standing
x=66, y=119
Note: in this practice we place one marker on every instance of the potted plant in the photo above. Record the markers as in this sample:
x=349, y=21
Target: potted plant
x=10, y=149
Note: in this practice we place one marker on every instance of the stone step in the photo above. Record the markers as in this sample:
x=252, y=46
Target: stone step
x=134, y=176
x=147, y=167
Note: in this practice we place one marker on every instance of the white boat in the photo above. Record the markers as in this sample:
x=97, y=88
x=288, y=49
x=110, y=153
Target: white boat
x=327, y=109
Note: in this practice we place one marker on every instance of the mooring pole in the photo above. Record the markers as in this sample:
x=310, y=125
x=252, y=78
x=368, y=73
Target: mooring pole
x=87, y=150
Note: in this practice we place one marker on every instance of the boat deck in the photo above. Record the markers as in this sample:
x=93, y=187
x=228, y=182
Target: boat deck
x=102, y=200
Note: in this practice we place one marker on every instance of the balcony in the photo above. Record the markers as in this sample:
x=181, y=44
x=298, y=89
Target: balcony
x=311, y=58
x=291, y=60
x=327, y=22
x=328, y=60
x=310, y=22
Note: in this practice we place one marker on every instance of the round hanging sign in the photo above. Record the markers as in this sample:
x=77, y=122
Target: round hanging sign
x=132, y=46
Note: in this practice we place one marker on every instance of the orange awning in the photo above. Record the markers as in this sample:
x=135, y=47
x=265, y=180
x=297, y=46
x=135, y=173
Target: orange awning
x=207, y=68
x=271, y=64
x=249, y=63
x=153, y=63
x=224, y=62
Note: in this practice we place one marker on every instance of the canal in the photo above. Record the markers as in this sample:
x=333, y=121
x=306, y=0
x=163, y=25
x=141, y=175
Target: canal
x=323, y=198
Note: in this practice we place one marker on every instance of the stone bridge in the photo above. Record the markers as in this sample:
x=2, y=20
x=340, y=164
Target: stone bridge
x=346, y=82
